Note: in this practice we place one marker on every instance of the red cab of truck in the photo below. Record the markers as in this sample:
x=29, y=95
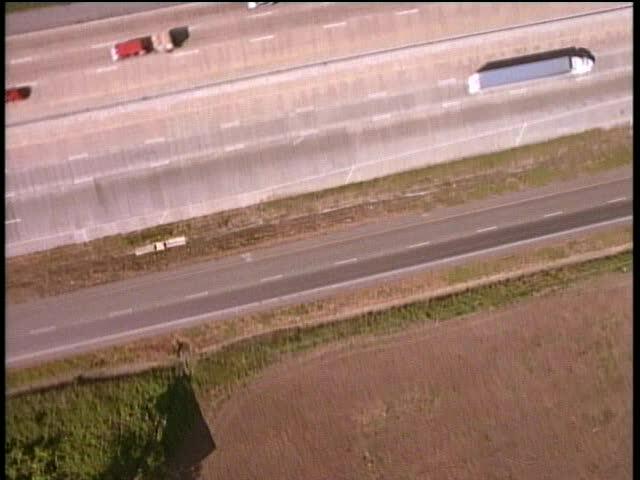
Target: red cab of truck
x=138, y=46
x=16, y=94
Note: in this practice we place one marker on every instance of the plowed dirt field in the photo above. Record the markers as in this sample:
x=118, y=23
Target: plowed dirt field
x=541, y=390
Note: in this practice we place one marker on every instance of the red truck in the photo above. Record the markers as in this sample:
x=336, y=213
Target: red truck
x=163, y=42
x=16, y=94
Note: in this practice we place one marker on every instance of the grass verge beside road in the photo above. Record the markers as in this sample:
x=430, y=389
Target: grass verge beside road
x=129, y=426
x=159, y=350
x=73, y=267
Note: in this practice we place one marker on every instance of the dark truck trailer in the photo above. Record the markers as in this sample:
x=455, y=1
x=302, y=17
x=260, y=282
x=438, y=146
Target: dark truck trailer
x=531, y=67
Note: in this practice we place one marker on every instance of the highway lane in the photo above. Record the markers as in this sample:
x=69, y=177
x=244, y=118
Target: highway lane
x=264, y=124
x=294, y=34
x=65, y=15
x=441, y=68
x=150, y=304
x=332, y=140
x=237, y=144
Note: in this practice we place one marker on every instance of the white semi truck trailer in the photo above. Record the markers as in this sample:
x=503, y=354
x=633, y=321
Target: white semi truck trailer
x=531, y=67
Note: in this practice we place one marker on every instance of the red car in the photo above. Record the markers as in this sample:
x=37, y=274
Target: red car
x=17, y=94
x=130, y=48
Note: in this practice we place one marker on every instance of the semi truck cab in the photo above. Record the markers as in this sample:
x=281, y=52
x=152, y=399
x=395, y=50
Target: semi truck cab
x=580, y=65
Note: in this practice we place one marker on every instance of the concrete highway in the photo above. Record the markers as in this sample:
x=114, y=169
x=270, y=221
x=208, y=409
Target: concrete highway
x=58, y=16
x=304, y=270
x=228, y=41
x=134, y=166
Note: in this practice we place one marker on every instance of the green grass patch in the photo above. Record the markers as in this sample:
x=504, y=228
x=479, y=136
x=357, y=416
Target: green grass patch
x=162, y=349
x=236, y=363
x=109, y=430
x=128, y=428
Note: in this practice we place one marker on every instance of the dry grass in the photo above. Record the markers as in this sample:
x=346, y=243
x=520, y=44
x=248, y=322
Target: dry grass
x=215, y=334
x=73, y=267
x=539, y=390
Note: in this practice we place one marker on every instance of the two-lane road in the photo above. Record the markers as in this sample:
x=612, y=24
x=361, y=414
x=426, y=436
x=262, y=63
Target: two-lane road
x=300, y=271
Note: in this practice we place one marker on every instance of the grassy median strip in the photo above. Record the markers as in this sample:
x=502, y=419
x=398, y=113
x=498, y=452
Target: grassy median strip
x=110, y=259
x=130, y=426
x=142, y=354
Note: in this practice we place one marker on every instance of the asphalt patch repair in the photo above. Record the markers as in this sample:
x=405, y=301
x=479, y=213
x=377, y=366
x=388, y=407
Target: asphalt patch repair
x=538, y=390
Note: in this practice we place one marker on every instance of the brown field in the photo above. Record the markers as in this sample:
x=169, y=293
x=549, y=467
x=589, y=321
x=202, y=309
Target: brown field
x=538, y=391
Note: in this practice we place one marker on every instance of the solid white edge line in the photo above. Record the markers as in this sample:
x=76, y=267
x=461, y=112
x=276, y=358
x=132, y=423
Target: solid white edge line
x=204, y=316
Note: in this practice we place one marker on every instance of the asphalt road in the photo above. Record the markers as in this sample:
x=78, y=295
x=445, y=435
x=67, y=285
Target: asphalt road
x=244, y=142
x=301, y=271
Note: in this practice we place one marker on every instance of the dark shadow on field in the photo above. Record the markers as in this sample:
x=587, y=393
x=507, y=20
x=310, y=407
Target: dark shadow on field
x=187, y=439
x=174, y=443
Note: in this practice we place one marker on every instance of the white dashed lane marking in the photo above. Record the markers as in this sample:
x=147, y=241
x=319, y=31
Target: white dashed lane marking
x=407, y=12
x=270, y=279
x=238, y=146
x=417, y=245
x=335, y=25
x=21, y=60
x=344, y=262
x=553, y=214
x=38, y=331
x=196, y=295
x=261, y=39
